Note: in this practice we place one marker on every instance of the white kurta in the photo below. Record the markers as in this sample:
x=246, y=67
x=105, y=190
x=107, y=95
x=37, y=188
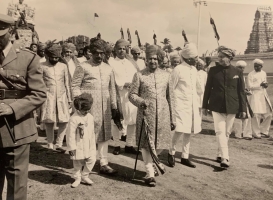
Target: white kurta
x=184, y=79
x=124, y=72
x=71, y=67
x=82, y=59
x=201, y=83
x=259, y=100
x=85, y=147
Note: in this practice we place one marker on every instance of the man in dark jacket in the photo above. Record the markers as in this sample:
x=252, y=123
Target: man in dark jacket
x=225, y=97
x=22, y=90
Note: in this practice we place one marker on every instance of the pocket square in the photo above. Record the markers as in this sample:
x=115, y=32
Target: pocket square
x=236, y=76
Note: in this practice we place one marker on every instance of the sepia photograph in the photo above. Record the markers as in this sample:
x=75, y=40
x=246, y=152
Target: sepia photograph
x=136, y=99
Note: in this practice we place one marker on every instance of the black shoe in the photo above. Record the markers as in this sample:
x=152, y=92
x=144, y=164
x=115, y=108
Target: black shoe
x=264, y=135
x=150, y=181
x=116, y=150
x=257, y=137
x=248, y=138
x=187, y=162
x=219, y=159
x=155, y=170
x=130, y=150
x=123, y=138
x=106, y=169
x=171, y=160
x=60, y=149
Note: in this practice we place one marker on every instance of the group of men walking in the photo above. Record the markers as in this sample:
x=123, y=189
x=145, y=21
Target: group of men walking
x=125, y=91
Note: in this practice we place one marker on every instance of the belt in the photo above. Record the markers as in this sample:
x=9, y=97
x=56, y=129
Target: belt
x=12, y=94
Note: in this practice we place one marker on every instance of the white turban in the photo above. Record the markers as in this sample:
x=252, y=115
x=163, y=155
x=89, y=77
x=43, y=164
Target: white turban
x=241, y=63
x=189, y=51
x=201, y=62
x=258, y=61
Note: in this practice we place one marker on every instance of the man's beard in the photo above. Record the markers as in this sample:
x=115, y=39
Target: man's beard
x=53, y=62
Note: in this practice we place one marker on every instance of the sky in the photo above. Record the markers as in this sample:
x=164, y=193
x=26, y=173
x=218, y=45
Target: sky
x=57, y=19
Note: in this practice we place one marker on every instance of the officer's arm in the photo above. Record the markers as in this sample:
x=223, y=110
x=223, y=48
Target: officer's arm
x=36, y=91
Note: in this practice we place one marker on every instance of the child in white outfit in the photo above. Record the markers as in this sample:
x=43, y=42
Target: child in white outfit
x=81, y=140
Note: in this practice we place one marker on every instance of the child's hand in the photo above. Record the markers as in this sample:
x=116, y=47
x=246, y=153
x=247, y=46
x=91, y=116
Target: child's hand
x=72, y=153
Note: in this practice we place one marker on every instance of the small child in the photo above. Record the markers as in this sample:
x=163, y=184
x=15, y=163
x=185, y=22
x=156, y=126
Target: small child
x=81, y=140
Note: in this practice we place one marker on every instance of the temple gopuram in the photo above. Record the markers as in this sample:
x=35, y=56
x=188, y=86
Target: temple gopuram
x=261, y=37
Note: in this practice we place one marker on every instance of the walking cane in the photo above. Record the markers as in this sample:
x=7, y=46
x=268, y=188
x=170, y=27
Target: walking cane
x=8, y=127
x=138, y=146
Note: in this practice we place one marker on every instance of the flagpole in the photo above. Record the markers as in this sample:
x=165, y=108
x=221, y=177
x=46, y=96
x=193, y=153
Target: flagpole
x=198, y=35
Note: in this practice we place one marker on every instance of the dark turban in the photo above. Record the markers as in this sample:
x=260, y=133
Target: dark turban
x=41, y=46
x=121, y=42
x=53, y=50
x=227, y=51
x=97, y=44
x=83, y=101
x=69, y=46
x=155, y=50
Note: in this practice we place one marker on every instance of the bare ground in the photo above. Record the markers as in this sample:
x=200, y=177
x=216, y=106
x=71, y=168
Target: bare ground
x=249, y=177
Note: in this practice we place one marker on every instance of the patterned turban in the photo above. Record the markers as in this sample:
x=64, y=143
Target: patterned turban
x=97, y=45
x=53, y=50
x=41, y=46
x=258, y=61
x=227, y=51
x=69, y=46
x=121, y=42
x=135, y=49
x=241, y=63
x=189, y=51
x=155, y=50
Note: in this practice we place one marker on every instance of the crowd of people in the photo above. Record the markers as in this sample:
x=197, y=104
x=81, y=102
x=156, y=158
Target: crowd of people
x=143, y=96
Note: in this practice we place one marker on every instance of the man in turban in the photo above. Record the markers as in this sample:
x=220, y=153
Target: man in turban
x=135, y=51
x=188, y=121
x=225, y=97
x=33, y=47
x=242, y=127
x=56, y=108
x=68, y=52
x=41, y=51
x=259, y=100
x=124, y=71
x=175, y=59
x=96, y=77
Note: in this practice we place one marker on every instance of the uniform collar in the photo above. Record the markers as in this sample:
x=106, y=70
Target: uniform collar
x=7, y=49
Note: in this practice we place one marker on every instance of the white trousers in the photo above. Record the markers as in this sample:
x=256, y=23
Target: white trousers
x=222, y=124
x=50, y=133
x=258, y=127
x=82, y=168
x=185, y=144
x=242, y=126
x=102, y=152
x=148, y=161
x=130, y=132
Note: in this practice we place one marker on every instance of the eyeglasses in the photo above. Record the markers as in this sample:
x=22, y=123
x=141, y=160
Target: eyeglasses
x=136, y=53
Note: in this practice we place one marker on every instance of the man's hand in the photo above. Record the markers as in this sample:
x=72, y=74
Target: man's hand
x=172, y=126
x=5, y=109
x=72, y=153
x=143, y=105
x=242, y=115
x=205, y=111
x=114, y=113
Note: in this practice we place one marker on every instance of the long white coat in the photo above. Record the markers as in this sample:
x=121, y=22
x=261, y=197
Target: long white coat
x=259, y=99
x=184, y=79
x=124, y=72
x=85, y=147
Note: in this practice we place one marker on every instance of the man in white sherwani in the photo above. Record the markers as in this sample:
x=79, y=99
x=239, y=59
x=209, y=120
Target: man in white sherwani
x=124, y=72
x=188, y=120
x=259, y=101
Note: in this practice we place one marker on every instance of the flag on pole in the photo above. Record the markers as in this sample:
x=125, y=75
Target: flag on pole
x=129, y=36
x=214, y=29
x=96, y=15
x=155, y=40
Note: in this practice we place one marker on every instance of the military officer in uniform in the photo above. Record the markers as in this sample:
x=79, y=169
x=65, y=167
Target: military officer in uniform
x=22, y=90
